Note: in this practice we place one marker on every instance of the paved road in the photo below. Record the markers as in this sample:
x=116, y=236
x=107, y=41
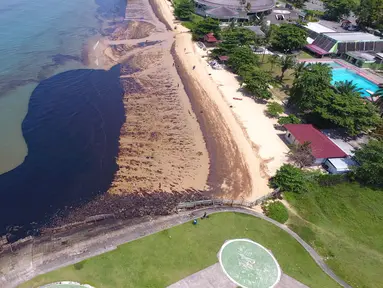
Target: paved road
x=47, y=254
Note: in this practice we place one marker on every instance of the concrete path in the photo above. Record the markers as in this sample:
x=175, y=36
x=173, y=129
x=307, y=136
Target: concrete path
x=47, y=253
x=214, y=277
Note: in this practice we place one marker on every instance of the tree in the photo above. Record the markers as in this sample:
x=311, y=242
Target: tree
x=338, y=9
x=273, y=60
x=347, y=87
x=370, y=13
x=379, y=101
x=290, y=119
x=299, y=68
x=184, y=9
x=242, y=56
x=370, y=158
x=347, y=111
x=314, y=80
x=207, y=25
x=234, y=37
x=289, y=179
x=257, y=83
x=286, y=63
x=274, y=109
x=323, y=106
x=288, y=37
x=301, y=154
x=298, y=3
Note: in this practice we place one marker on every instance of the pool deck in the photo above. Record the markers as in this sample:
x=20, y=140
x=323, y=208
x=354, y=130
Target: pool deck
x=362, y=72
x=214, y=277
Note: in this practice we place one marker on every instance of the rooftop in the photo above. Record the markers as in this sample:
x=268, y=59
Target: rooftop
x=342, y=164
x=256, y=29
x=256, y=5
x=316, y=27
x=352, y=37
x=321, y=146
x=210, y=38
x=222, y=12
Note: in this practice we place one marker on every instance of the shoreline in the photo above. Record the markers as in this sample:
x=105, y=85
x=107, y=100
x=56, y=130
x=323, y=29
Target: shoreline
x=255, y=166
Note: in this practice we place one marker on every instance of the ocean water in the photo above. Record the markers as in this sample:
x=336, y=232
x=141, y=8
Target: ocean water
x=59, y=120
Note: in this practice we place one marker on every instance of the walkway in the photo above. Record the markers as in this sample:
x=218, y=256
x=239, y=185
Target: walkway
x=48, y=253
x=214, y=277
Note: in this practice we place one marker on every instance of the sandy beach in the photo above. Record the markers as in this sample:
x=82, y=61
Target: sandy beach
x=161, y=145
x=253, y=140
x=183, y=128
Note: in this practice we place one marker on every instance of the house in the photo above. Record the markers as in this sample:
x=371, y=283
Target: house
x=339, y=165
x=209, y=38
x=322, y=148
x=223, y=59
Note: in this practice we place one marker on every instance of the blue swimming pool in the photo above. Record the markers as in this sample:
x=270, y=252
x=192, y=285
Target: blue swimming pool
x=343, y=74
x=340, y=73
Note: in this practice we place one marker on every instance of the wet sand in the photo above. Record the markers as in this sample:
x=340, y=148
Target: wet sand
x=162, y=148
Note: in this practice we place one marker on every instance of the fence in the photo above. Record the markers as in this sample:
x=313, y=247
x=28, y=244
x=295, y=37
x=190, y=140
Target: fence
x=225, y=202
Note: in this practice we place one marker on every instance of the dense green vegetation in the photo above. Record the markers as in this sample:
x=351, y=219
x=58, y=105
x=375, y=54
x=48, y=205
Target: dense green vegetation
x=338, y=9
x=288, y=37
x=277, y=211
x=290, y=179
x=168, y=256
x=184, y=9
x=331, y=107
x=274, y=109
x=370, y=13
x=290, y=119
x=370, y=158
x=344, y=223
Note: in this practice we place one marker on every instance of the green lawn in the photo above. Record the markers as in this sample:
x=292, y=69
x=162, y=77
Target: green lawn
x=168, y=256
x=345, y=226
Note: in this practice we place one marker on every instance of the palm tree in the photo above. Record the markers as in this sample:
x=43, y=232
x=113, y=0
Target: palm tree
x=274, y=59
x=299, y=68
x=286, y=63
x=347, y=87
x=379, y=101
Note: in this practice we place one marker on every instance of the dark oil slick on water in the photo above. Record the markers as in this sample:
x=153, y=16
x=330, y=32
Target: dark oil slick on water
x=72, y=131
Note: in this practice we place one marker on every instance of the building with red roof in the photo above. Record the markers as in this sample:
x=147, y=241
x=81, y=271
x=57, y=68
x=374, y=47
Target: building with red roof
x=322, y=147
x=210, y=38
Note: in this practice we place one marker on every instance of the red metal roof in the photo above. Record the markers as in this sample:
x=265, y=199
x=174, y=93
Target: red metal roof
x=209, y=37
x=321, y=146
x=223, y=58
x=316, y=49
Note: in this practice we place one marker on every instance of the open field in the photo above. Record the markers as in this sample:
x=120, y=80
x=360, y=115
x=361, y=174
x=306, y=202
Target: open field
x=168, y=256
x=344, y=223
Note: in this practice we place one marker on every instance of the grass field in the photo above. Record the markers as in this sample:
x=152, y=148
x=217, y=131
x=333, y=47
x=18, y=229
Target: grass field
x=276, y=70
x=345, y=225
x=168, y=256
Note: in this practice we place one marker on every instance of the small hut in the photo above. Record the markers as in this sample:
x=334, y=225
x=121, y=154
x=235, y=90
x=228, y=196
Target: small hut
x=210, y=39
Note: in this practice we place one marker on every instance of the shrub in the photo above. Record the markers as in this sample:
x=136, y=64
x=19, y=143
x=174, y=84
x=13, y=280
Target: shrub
x=290, y=179
x=370, y=158
x=274, y=109
x=331, y=180
x=291, y=119
x=277, y=211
